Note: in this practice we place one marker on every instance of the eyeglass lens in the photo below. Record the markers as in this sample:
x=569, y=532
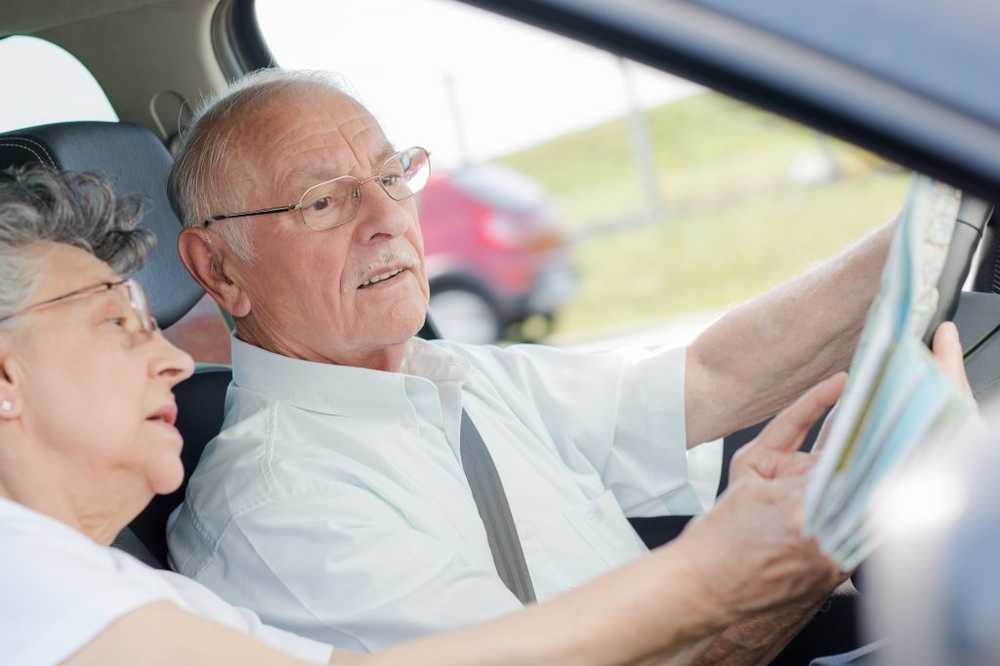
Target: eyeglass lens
x=335, y=203
x=140, y=304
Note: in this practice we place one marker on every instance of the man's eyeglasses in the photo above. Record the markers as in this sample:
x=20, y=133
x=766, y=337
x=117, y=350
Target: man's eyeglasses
x=133, y=291
x=333, y=203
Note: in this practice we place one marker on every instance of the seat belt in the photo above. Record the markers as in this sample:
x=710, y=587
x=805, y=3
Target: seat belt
x=491, y=501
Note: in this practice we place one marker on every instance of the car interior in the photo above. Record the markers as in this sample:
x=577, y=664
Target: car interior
x=154, y=58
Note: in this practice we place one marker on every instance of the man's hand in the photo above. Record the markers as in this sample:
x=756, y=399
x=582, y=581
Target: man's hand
x=748, y=554
x=947, y=350
x=774, y=453
x=760, y=560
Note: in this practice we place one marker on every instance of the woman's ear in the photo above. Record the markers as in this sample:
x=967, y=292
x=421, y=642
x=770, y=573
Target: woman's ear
x=210, y=265
x=10, y=395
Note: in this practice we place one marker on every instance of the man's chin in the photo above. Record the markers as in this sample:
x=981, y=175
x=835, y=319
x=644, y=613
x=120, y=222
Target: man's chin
x=404, y=319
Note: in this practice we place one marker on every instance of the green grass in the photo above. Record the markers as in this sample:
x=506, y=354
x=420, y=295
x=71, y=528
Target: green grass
x=705, y=147
x=734, y=224
x=716, y=259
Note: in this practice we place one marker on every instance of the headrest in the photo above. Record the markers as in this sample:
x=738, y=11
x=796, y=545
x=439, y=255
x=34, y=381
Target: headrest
x=137, y=163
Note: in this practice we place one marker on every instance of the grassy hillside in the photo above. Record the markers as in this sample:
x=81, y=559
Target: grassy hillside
x=735, y=220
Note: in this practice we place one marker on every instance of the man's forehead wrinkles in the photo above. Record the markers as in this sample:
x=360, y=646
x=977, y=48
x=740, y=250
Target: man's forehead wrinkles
x=320, y=160
x=308, y=139
x=293, y=152
x=354, y=141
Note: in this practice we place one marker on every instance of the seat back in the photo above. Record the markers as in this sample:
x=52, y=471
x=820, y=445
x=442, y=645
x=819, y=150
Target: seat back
x=136, y=162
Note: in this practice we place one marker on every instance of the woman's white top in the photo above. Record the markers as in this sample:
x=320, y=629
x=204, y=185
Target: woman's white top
x=59, y=590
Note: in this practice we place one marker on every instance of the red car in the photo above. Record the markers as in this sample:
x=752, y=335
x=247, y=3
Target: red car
x=495, y=253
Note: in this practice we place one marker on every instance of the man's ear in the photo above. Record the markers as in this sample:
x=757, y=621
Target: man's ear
x=209, y=265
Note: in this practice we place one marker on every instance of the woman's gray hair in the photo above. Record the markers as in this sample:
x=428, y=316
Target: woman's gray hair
x=198, y=185
x=40, y=205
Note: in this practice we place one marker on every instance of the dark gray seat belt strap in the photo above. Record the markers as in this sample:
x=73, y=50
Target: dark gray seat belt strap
x=487, y=491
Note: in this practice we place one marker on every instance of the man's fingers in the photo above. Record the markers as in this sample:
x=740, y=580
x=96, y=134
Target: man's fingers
x=775, y=464
x=789, y=428
x=789, y=489
x=800, y=464
x=948, y=352
x=824, y=432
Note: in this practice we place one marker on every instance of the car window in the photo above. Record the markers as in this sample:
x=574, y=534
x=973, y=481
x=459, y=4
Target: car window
x=577, y=198
x=51, y=86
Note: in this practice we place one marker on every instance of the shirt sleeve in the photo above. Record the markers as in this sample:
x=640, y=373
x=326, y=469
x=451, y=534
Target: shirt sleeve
x=61, y=591
x=344, y=568
x=623, y=410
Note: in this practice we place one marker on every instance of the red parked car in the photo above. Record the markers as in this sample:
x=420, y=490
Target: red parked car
x=496, y=255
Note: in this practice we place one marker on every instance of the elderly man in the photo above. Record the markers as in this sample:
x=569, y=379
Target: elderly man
x=334, y=502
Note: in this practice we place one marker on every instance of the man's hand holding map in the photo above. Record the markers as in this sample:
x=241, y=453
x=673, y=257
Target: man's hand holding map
x=897, y=395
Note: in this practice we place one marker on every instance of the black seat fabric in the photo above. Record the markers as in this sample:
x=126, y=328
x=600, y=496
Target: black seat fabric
x=200, y=406
x=137, y=162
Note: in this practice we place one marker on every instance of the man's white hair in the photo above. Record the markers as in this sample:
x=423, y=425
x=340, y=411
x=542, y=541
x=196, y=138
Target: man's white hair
x=197, y=185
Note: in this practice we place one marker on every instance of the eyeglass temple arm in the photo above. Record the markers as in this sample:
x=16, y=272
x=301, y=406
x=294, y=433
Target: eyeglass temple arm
x=251, y=213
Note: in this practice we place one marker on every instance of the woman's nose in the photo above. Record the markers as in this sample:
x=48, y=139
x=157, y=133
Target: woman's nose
x=170, y=362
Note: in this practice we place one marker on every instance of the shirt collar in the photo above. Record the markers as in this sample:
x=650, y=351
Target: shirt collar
x=345, y=390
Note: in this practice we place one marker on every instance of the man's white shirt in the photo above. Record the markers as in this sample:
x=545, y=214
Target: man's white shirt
x=60, y=590
x=334, y=502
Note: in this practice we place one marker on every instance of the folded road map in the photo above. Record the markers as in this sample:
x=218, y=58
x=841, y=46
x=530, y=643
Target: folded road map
x=896, y=396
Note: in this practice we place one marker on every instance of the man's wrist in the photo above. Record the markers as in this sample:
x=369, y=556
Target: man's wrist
x=710, y=611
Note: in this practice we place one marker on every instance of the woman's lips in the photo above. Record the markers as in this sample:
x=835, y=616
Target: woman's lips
x=167, y=414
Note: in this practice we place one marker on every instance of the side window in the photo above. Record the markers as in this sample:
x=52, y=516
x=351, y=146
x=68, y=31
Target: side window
x=51, y=86
x=578, y=198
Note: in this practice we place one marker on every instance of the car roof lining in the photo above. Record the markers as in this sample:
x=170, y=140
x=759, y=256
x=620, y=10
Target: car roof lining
x=31, y=16
x=170, y=53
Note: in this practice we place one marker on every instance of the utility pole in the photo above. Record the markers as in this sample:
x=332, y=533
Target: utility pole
x=451, y=92
x=642, y=145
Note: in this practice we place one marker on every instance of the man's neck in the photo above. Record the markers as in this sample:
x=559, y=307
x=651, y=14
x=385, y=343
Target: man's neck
x=387, y=359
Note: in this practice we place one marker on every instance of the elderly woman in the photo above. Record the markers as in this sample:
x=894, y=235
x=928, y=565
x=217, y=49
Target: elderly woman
x=87, y=437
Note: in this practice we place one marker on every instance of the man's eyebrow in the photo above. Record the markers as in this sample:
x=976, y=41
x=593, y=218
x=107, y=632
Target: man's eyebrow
x=322, y=174
x=388, y=150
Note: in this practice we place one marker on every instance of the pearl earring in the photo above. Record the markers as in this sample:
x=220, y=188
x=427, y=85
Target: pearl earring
x=6, y=405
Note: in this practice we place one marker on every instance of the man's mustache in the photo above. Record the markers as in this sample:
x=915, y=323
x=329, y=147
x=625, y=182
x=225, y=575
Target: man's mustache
x=385, y=261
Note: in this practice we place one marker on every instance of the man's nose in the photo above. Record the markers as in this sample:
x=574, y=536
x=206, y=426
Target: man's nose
x=169, y=362
x=381, y=217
